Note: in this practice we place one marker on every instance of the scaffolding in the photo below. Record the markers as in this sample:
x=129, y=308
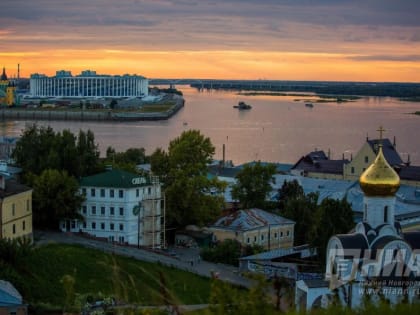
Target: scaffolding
x=153, y=222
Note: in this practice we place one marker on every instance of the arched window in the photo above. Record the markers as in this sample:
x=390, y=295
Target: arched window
x=386, y=214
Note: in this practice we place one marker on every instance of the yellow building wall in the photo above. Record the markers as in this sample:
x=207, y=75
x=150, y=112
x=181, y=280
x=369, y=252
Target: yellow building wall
x=10, y=95
x=360, y=163
x=280, y=236
x=16, y=211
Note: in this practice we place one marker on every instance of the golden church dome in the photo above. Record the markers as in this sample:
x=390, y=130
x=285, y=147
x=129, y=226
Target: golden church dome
x=379, y=179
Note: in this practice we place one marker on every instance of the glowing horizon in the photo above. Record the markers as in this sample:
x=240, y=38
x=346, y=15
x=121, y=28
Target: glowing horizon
x=275, y=40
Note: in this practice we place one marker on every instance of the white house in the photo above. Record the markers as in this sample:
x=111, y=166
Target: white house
x=121, y=207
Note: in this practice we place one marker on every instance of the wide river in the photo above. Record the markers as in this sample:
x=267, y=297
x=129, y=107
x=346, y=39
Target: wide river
x=276, y=129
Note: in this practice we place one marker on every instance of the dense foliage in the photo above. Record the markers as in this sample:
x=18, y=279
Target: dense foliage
x=315, y=223
x=226, y=252
x=191, y=197
x=127, y=160
x=253, y=185
x=40, y=148
x=55, y=196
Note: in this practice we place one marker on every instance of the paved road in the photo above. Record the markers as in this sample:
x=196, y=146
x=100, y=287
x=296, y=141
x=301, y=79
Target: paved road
x=185, y=259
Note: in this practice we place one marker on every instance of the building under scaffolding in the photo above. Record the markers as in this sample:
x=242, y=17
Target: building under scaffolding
x=152, y=217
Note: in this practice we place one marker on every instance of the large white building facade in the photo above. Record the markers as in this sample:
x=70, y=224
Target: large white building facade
x=121, y=207
x=88, y=84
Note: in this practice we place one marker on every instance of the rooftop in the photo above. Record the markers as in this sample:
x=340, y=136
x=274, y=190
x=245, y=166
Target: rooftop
x=388, y=149
x=12, y=188
x=115, y=179
x=244, y=220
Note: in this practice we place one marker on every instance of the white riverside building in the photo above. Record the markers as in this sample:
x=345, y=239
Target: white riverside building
x=88, y=84
x=121, y=207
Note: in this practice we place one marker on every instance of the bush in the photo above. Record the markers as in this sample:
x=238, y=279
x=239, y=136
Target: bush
x=226, y=252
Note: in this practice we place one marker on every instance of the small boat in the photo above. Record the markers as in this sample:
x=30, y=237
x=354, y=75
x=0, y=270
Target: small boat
x=242, y=105
x=310, y=105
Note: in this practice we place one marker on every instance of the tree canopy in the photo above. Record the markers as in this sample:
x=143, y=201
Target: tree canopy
x=191, y=197
x=253, y=185
x=56, y=196
x=315, y=223
x=40, y=148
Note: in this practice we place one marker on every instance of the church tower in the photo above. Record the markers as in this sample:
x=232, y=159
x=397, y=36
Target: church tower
x=379, y=183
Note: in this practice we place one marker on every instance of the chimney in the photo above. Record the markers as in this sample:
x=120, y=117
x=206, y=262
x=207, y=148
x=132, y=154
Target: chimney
x=408, y=161
x=223, y=163
x=18, y=74
x=367, y=137
x=329, y=154
x=394, y=143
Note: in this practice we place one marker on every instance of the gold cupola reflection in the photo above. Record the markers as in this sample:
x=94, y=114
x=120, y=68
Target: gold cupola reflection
x=380, y=179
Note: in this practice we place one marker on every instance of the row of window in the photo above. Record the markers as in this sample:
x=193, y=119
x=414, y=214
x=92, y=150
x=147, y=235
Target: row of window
x=262, y=236
x=101, y=226
x=102, y=210
x=111, y=192
x=28, y=207
x=14, y=227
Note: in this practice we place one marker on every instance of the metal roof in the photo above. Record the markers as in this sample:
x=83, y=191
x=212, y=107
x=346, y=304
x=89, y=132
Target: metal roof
x=304, y=251
x=388, y=149
x=244, y=220
x=11, y=295
x=115, y=179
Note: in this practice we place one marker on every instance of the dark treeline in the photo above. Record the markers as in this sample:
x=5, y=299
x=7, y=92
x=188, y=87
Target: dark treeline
x=332, y=88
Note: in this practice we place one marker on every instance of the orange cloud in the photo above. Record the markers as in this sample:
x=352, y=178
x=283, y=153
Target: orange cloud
x=223, y=64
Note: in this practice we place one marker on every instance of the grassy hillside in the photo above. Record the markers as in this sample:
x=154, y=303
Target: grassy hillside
x=95, y=272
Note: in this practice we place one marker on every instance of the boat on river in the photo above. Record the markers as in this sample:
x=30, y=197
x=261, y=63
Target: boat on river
x=242, y=106
x=310, y=105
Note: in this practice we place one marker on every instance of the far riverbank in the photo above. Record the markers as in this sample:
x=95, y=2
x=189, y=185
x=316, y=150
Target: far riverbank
x=16, y=113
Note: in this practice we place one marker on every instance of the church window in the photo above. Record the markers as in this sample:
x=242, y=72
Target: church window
x=366, y=159
x=386, y=214
x=352, y=169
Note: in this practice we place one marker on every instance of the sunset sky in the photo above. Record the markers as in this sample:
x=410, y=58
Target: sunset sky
x=346, y=40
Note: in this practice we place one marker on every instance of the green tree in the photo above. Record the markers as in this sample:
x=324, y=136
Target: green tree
x=88, y=154
x=159, y=162
x=127, y=160
x=253, y=185
x=332, y=217
x=40, y=148
x=191, y=197
x=227, y=252
x=302, y=210
x=56, y=196
x=288, y=191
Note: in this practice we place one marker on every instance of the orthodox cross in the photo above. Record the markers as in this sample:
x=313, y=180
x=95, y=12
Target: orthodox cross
x=381, y=130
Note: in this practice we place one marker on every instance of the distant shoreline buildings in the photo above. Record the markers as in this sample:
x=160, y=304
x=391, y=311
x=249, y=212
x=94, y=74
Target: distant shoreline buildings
x=88, y=84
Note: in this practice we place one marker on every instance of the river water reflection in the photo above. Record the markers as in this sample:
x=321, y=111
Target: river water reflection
x=276, y=129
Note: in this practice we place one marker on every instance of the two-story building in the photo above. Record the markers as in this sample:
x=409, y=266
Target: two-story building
x=121, y=207
x=15, y=209
x=255, y=226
